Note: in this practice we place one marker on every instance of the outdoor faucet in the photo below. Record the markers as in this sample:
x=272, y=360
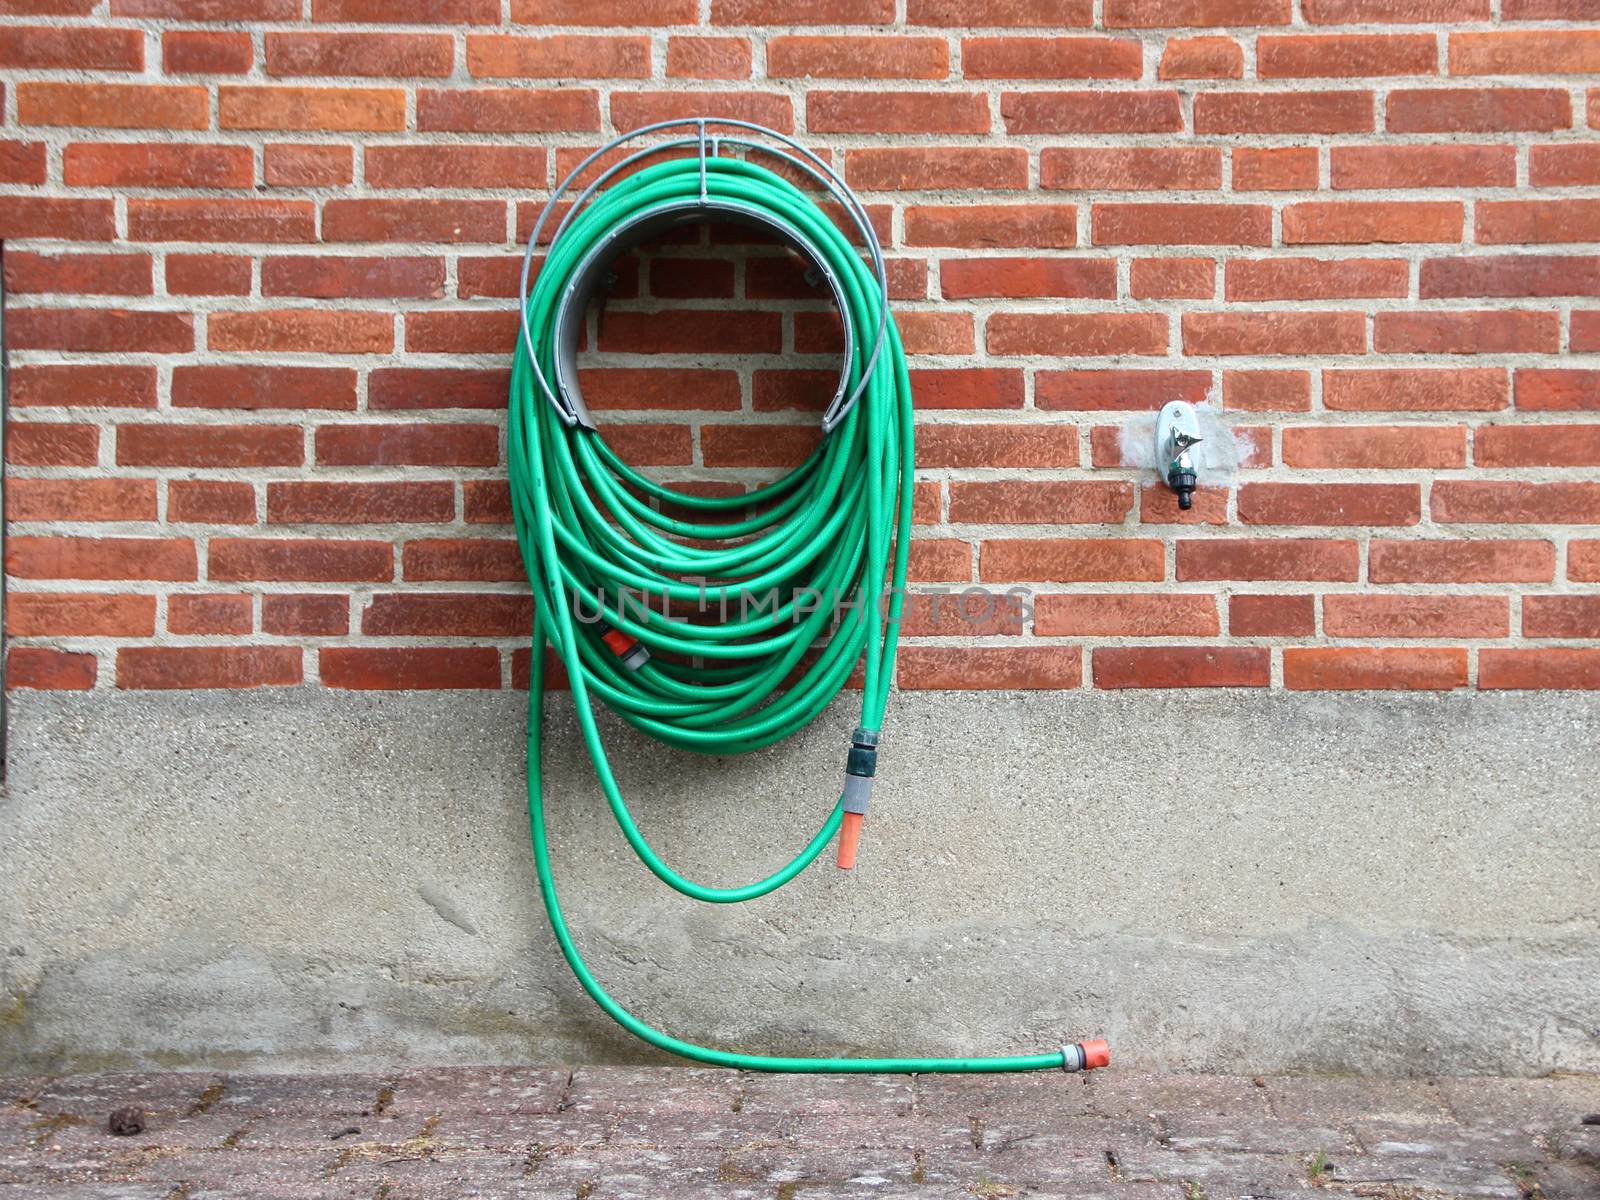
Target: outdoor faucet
x=1177, y=430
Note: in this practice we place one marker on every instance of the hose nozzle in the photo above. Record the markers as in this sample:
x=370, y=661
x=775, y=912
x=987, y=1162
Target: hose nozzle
x=1086, y=1056
x=860, y=768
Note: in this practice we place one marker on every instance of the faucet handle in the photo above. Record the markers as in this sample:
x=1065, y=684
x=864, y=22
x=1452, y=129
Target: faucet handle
x=1181, y=441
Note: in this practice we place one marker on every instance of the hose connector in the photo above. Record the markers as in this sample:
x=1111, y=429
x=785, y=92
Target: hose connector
x=1086, y=1056
x=860, y=768
x=630, y=650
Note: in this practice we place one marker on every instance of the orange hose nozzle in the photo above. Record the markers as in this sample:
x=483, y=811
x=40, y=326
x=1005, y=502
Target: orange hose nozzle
x=849, y=840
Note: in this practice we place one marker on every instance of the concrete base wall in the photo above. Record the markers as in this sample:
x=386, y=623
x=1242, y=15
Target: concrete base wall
x=1371, y=882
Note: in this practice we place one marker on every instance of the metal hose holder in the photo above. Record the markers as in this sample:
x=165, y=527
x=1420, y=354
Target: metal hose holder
x=561, y=387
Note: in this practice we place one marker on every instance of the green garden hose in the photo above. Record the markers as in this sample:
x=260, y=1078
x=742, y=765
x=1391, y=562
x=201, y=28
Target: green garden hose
x=822, y=550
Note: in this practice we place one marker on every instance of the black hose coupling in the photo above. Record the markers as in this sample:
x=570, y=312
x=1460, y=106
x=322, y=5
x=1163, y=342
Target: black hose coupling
x=859, y=770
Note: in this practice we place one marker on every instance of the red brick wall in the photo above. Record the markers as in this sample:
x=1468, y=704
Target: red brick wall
x=259, y=255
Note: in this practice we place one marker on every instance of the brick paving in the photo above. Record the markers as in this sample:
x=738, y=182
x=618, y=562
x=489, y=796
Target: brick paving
x=593, y=1133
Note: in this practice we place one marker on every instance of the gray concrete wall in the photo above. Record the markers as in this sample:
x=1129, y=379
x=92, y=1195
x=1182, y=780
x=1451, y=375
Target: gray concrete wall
x=1222, y=881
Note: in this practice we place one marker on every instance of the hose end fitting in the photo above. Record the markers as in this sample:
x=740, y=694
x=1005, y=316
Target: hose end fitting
x=630, y=650
x=1086, y=1056
x=861, y=767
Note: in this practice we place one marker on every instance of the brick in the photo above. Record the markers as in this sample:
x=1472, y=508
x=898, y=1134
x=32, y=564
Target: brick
x=1561, y=616
x=226, y=221
x=448, y=221
x=1583, y=561
x=165, y=667
x=1143, y=168
x=672, y=388
x=1283, y=112
x=1537, y=446
x=1422, y=166
x=1330, y=503
x=38, y=668
x=1504, y=221
x=47, y=217
x=98, y=386
x=558, y=56
x=206, y=52
x=210, y=445
x=52, y=444
x=302, y=331
x=989, y=667
x=1182, y=224
x=630, y=110
x=1051, y=58
x=286, y=165
x=697, y=278
x=956, y=387
x=1201, y=58
x=687, y=331
x=211, y=502
x=1357, y=222
x=372, y=110
x=604, y=12
x=1276, y=169
x=1367, y=447
x=846, y=57
x=1071, y=560
x=1172, y=279
x=1181, y=666
x=1565, y=164
x=330, y=277
x=894, y=112
x=1125, y=615
x=1467, y=333
x=79, y=614
x=1092, y=112
x=469, y=332
x=475, y=445
x=802, y=12
x=87, y=164
x=467, y=614
x=330, y=503
x=1334, y=560
x=307, y=615
x=1420, y=389
x=1526, y=52
x=1449, y=560
x=375, y=54
x=1272, y=616
x=1404, y=12
x=435, y=12
x=752, y=445
x=1077, y=333
x=209, y=10
x=997, y=445
x=410, y=388
x=1567, y=669
x=1044, y=502
x=209, y=616
x=101, y=558
x=1117, y=390
x=1557, y=389
x=22, y=162
x=1317, y=279
x=940, y=560
x=81, y=500
x=460, y=560
x=78, y=274
x=408, y=668
x=78, y=48
x=1585, y=334
x=1544, y=10
x=1490, y=502
x=1160, y=14
x=708, y=57
x=968, y=278
x=1326, y=56
x=1012, y=14
x=994, y=226
x=1267, y=391
x=208, y=274
x=942, y=615
x=264, y=387
x=1478, y=110
x=99, y=331
x=936, y=167
x=1362, y=668
x=300, y=560
x=1230, y=333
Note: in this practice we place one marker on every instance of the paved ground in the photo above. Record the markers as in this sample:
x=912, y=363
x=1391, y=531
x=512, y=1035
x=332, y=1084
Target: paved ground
x=605, y=1132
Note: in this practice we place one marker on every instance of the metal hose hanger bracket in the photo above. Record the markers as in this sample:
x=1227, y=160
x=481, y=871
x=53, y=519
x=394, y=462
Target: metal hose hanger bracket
x=561, y=386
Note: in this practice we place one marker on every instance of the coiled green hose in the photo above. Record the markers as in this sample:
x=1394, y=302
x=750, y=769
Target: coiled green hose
x=838, y=525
